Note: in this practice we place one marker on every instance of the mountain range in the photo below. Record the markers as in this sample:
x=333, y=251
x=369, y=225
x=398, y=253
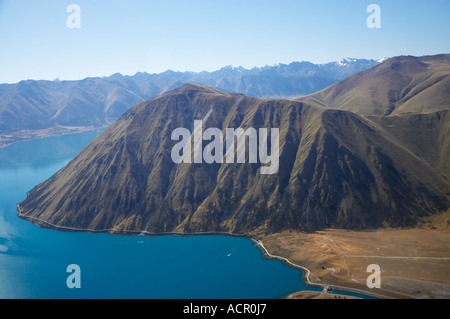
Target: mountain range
x=369, y=151
x=34, y=108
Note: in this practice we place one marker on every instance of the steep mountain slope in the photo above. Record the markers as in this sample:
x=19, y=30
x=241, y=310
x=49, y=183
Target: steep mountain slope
x=426, y=135
x=336, y=169
x=399, y=85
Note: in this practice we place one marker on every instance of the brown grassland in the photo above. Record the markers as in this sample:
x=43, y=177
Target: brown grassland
x=415, y=263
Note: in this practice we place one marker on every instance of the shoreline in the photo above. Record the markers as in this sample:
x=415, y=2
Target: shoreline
x=10, y=138
x=257, y=242
x=307, y=272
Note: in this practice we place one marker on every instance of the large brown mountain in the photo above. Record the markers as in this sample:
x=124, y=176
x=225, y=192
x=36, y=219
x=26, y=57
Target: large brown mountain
x=399, y=85
x=337, y=168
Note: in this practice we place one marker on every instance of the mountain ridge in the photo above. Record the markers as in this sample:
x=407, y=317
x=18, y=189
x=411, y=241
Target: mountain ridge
x=404, y=84
x=338, y=169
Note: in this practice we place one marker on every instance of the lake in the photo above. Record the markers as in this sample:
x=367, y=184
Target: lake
x=34, y=261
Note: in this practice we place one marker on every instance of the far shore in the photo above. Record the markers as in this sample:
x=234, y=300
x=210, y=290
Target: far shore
x=9, y=138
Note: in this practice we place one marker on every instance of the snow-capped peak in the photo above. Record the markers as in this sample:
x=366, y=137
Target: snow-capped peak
x=346, y=61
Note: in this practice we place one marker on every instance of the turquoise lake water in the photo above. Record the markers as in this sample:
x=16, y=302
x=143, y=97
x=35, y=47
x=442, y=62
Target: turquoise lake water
x=33, y=261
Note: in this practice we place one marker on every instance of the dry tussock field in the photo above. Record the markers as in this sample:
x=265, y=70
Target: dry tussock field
x=415, y=263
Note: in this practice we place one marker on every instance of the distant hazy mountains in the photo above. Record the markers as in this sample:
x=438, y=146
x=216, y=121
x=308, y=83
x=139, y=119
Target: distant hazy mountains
x=62, y=106
x=348, y=163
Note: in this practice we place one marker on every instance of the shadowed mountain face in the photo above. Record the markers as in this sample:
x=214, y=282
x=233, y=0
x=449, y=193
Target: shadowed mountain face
x=336, y=169
x=399, y=85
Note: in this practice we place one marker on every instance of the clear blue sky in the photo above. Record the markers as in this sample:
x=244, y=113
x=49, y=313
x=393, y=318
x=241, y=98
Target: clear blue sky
x=129, y=36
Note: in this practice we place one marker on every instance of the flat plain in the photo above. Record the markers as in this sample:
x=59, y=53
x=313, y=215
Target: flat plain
x=415, y=263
